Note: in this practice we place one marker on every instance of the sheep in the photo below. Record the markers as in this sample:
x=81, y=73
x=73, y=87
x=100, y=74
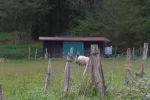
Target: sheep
x=82, y=60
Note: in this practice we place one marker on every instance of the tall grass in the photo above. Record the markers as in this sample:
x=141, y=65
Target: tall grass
x=24, y=79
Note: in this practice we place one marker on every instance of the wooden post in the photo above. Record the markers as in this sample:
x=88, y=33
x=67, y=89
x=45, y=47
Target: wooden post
x=140, y=50
x=46, y=55
x=127, y=71
x=133, y=54
x=87, y=65
x=47, y=82
x=1, y=93
x=67, y=72
x=29, y=53
x=35, y=53
x=97, y=72
x=141, y=71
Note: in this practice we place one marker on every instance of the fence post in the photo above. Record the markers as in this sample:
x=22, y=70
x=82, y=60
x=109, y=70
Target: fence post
x=47, y=82
x=127, y=68
x=97, y=72
x=87, y=65
x=140, y=50
x=46, y=56
x=67, y=72
x=29, y=53
x=133, y=52
x=141, y=71
x=35, y=53
x=1, y=93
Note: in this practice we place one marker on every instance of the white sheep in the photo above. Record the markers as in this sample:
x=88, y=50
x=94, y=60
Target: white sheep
x=82, y=60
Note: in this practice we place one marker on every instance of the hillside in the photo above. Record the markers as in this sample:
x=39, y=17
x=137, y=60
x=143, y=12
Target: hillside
x=11, y=47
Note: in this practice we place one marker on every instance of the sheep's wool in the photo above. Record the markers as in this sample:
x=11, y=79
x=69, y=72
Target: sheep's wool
x=83, y=60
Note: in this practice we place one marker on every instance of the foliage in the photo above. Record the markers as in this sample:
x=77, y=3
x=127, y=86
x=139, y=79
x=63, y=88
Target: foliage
x=112, y=19
x=125, y=22
x=136, y=89
x=23, y=15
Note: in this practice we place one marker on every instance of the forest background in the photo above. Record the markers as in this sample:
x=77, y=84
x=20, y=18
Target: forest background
x=125, y=22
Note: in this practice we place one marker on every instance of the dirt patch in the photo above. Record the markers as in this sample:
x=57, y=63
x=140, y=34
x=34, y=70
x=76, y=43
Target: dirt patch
x=3, y=60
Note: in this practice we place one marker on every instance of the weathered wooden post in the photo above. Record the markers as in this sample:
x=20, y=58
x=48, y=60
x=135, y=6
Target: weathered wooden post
x=140, y=50
x=97, y=72
x=35, y=53
x=141, y=71
x=86, y=67
x=1, y=93
x=47, y=82
x=67, y=72
x=133, y=52
x=29, y=53
x=127, y=66
x=46, y=55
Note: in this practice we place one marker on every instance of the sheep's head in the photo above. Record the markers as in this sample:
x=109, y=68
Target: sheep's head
x=76, y=58
x=78, y=54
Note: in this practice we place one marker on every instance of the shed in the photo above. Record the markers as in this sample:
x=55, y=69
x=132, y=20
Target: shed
x=58, y=47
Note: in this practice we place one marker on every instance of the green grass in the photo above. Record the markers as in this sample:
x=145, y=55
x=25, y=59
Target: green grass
x=17, y=51
x=5, y=35
x=24, y=79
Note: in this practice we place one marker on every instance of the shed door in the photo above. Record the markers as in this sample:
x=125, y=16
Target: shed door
x=77, y=46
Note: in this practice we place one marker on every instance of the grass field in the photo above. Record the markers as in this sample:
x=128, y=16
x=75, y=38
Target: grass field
x=24, y=79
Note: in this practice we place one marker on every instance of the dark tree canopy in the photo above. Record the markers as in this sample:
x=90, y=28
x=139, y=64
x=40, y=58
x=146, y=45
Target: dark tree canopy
x=125, y=22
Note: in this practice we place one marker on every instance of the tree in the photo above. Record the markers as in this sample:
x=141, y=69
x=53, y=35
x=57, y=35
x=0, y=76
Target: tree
x=115, y=19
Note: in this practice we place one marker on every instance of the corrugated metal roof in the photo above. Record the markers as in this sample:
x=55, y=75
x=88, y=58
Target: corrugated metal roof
x=74, y=39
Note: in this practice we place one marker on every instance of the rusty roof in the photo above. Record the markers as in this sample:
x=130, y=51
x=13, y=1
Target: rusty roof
x=74, y=39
